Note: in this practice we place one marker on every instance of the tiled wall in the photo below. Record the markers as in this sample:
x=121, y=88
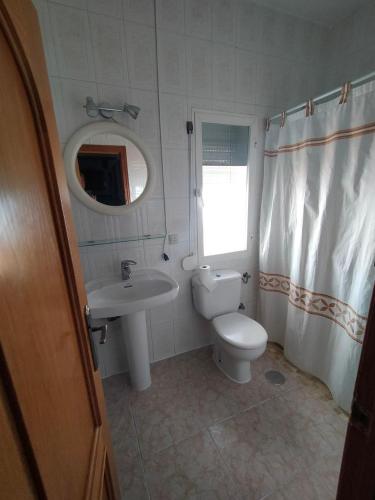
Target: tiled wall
x=351, y=47
x=213, y=54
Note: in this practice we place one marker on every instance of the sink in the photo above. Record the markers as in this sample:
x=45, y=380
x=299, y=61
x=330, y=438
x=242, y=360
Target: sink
x=110, y=296
x=147, y=288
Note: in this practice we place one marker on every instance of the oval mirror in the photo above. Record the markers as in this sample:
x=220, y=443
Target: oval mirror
x=109, y=168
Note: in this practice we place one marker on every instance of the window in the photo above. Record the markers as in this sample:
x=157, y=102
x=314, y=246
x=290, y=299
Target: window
x=222, y=156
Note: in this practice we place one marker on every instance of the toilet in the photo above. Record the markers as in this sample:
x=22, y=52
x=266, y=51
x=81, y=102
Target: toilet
x=238, y=339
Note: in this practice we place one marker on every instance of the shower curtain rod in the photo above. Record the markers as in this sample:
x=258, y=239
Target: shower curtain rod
x=328, y=96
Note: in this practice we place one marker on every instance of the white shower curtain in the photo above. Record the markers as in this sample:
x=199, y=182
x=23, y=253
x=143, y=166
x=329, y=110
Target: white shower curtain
x=317, y=237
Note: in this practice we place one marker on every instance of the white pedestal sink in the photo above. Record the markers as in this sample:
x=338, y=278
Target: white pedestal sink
x=109, y=297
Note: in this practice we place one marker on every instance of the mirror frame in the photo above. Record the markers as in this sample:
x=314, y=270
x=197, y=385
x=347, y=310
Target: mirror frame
x=70, y=153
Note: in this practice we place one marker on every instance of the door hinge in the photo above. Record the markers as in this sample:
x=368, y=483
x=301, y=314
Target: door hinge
x=189, y=127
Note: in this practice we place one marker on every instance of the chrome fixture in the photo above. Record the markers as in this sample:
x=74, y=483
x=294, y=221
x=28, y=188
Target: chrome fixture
x=126, y=270
x=105, y=110
x=91, y=330
x=132, y=110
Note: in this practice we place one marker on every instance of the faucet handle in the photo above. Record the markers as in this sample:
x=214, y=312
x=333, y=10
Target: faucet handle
x=128, y=262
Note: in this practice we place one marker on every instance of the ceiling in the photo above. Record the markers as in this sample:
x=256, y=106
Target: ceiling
x=325, y=12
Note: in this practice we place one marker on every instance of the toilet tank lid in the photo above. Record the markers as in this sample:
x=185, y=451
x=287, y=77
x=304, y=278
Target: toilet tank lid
x=220, y=275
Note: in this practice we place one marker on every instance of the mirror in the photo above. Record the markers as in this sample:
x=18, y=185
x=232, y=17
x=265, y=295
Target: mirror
x=109, y=168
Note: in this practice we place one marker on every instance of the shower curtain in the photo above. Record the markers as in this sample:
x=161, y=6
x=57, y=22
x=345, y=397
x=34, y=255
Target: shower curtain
x=317, y=237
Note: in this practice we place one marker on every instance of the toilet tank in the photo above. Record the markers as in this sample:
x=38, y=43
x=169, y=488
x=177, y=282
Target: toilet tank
x=224, y=298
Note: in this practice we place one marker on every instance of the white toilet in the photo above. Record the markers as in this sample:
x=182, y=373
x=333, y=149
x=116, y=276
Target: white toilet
x=237, y=338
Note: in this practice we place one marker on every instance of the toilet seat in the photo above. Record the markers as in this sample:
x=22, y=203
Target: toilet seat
x=240, y=331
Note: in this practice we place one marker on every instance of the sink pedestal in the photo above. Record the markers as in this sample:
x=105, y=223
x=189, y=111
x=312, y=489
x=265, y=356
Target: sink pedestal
x=134, y=327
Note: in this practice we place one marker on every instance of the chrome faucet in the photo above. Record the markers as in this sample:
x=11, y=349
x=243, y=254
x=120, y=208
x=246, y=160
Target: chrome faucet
x=125, y=269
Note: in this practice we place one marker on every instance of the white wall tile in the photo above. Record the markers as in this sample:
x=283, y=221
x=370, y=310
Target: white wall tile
x=102, y=261
x=106, y=7
x=170, y=15
x=247, y=25
x=198, y=18
x=58, y=106
x=162, y=339
x=80, y=4
x=199, y=68
x=270, y=30
x=147, y=123
x=224, y=72
x=191, y=333
x=81, y=216
x=141, y=52
x=125, y=225
x=266, y=80
x=246, y=76
x=176, y=173
x=173, y=111
x=161, y=313
x=108, y=48
x=74, y=93
x=139, y=11
x=224, y=15
x=48, y=44
x=157, y=191
x=85, y=264
x=178, y=217
x=70, y=30
x=172, y=62
x=154, y=223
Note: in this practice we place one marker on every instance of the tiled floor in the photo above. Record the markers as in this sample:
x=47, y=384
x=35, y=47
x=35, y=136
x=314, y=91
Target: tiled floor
x=196, y=435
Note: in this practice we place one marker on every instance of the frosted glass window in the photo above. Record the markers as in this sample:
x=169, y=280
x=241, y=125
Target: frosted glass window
x=224, y=188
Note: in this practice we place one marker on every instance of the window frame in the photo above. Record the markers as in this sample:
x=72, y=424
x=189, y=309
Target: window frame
x=205, y=116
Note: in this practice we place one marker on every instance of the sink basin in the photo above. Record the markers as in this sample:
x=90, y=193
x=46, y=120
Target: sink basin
x=147, y=288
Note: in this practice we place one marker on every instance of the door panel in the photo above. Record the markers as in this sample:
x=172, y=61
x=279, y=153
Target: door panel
x=12, y=462
x=43, y=338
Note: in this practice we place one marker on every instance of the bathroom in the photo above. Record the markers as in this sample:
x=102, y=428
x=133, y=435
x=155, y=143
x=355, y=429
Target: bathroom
x=241, y=215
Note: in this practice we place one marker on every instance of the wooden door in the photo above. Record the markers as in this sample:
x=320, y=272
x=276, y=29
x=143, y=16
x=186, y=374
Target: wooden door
x=357, y=476
x=54, y=436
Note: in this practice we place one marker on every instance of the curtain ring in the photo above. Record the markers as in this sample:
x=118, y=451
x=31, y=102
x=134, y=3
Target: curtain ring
x=282, y=119
x=345, y=90
x=309, y=108
x=267, y=124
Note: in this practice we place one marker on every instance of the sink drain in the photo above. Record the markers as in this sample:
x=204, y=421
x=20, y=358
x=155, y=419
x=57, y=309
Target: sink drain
x=275, y=377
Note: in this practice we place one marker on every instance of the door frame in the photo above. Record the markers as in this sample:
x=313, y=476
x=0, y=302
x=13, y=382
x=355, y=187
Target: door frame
x=19, y=24
x=101, y=149
x=357, y=475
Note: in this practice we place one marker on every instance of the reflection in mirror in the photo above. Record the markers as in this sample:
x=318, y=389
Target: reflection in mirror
x=111, y=169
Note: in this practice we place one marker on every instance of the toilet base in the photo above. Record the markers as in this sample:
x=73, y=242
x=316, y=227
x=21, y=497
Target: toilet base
x=236, y=370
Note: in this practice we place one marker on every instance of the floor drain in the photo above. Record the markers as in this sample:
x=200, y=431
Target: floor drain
x=275, y=377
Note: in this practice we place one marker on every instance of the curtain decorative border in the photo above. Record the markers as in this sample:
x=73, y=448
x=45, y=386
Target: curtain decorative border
x=316, y=303
x=322, y=141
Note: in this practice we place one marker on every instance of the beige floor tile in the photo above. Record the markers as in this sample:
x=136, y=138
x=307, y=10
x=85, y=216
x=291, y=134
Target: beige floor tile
x=190, y=470
x=131, y=477
x=282, y=441
x=267, y=445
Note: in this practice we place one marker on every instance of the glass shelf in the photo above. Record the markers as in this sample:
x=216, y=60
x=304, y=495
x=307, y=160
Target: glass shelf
x=142, y=237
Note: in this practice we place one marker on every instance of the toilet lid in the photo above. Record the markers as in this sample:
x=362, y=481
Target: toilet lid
x=240, y=331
